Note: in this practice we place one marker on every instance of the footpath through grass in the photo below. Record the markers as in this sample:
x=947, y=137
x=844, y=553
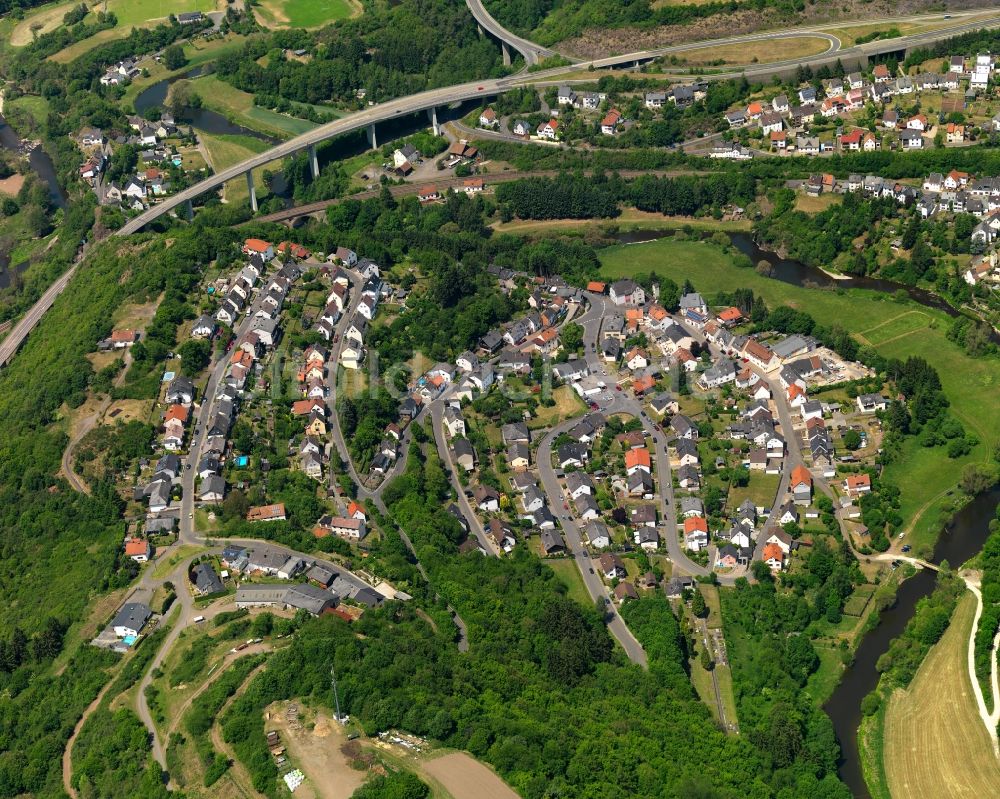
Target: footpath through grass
x=925, y=476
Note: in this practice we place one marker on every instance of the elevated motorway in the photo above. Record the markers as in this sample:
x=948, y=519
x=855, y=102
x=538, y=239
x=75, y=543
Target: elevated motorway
x=533, y=53
x=430, y=100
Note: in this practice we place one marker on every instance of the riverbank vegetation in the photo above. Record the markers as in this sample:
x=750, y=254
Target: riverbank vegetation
x=989, y=564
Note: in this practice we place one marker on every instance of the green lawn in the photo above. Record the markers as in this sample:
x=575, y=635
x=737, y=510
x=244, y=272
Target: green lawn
x=858, y=601
x=904, y=324
x=923, y=476
x=198, y=52
x=825, y=678
x=238, y=107
x=135, y=12
x=164, y=566
x=760, y=490
x=226, y=150
x=567, y=571
x=711, y=594
x=306, y=13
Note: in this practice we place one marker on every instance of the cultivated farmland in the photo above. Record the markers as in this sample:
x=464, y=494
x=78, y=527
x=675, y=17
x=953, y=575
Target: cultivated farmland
x=935, y=744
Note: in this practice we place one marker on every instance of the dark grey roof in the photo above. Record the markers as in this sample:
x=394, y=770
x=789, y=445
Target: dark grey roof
x=206, y=580
x=132, y=615
x=309, y=597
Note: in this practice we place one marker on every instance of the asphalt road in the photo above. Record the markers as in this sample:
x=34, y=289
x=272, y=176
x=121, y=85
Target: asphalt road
x=444, y=451
x=624, y=402
x=13, y=340
x=571, y=531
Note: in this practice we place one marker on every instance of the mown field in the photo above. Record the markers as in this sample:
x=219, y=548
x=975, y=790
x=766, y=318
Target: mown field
x=238, y=107
x=224, y=151
x=926, y=477
x=305, y=13
x=935, y=744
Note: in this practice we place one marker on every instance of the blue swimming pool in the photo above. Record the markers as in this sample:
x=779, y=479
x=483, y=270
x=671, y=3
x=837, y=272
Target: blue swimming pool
x=130, y=639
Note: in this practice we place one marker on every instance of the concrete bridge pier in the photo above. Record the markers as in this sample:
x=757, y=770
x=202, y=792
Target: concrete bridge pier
x=372, y=140
x=253, y=191
x=506, y=53
x=432, y=114
x=189, y=211
x=313, y=162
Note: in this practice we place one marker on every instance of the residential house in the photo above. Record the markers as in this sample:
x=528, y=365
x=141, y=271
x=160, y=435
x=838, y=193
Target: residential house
x=597, y=535
x=695, y=533
x=857, y=484
x=612, y=567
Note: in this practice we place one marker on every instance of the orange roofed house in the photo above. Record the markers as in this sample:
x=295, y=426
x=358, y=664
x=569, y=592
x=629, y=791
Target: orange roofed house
x=774, y=557
x=596, y=286
x=636, y=459
x=267, y=513
x=297, y=251
x=695, y=533
x=730, y=316
x=138, y=550
x=801, y=485
x=857, y=484
x=259, y=247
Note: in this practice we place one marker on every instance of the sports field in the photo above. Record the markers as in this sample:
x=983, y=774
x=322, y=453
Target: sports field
x=305, y=13
x=896, y=330
x=895, y=327
x=935, y=744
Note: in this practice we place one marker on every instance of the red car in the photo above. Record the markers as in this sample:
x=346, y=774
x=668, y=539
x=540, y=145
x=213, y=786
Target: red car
x=618, y=388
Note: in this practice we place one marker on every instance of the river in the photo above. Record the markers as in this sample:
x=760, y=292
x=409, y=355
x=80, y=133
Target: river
x=42, y=166
x=799, y=274
x=963, y=539
x=211, y=122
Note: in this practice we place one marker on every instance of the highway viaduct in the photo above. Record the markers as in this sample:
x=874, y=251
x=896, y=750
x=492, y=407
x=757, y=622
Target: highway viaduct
x=428, y=102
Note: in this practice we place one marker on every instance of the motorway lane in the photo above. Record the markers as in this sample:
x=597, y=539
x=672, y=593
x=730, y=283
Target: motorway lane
x=595, y=586
x=13, y=340
x=533, y=53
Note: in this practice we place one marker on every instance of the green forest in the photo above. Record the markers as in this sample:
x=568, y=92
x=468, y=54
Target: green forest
x=391, y=50
x=540, y=690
